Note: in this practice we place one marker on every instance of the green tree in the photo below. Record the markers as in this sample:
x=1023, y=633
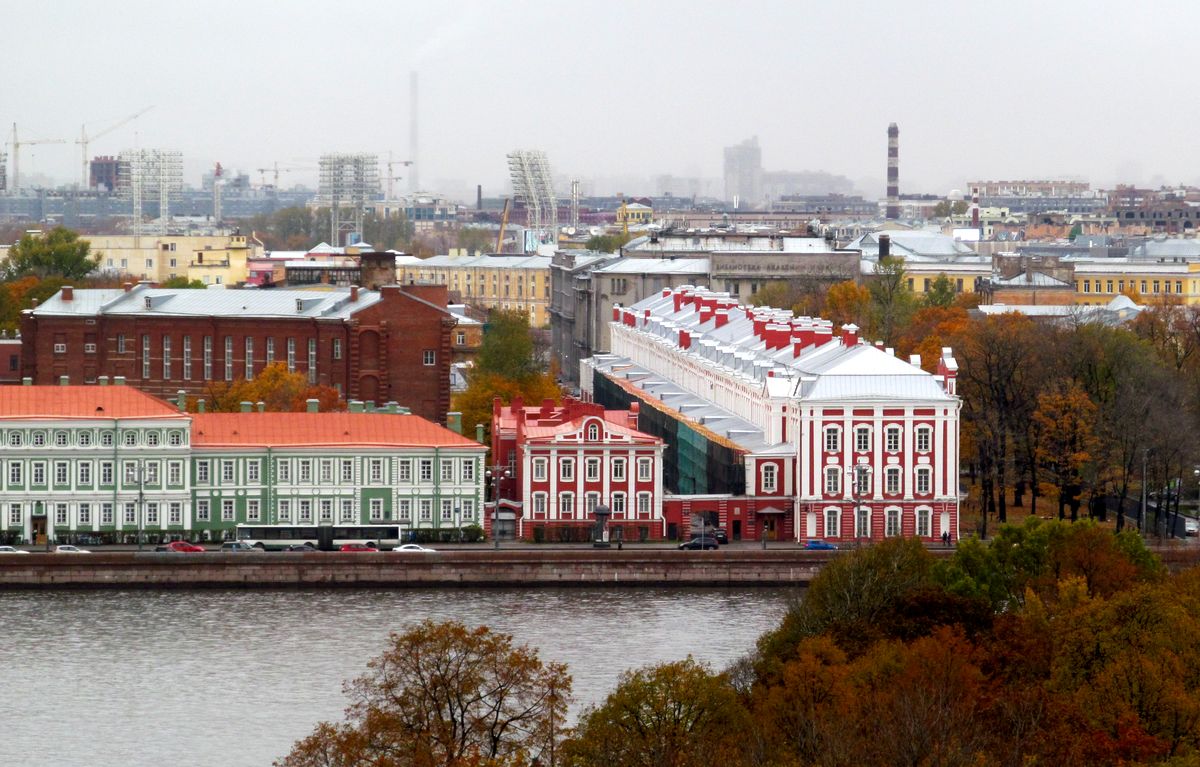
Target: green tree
x=891, y=299
x=940, y=292
x=58, y=253
x=672, y=715
x=607, y=243
x=507, y=348
x=387, y=233
x=183, y=283
x=475, y=240
x=444, y=695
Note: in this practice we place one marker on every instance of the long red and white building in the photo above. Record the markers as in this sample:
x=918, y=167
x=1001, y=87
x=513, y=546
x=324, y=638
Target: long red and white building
x=848, y=441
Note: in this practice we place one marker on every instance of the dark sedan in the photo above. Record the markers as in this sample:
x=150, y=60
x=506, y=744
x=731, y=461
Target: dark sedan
x=699, y=543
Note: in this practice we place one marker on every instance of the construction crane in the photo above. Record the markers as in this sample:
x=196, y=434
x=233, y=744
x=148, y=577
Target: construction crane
x=275, y=170
x=16, y=145
x=392, y=177
x=503, y=225
x=84, y=139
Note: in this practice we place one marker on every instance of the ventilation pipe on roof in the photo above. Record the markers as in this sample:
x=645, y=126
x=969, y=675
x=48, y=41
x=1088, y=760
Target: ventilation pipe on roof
x=312, y=405
x=68, y=293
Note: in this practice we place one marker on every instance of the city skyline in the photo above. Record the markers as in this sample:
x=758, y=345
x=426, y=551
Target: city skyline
x=607, y=94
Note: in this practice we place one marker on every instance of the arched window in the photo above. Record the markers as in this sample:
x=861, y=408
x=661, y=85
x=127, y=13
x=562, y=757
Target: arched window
x=593, y=432
x=769, y=471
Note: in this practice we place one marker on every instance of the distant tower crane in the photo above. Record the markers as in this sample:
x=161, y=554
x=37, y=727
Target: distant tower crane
x=275, y=170
x=16, y=153
x=391, y=176
x=84, y=139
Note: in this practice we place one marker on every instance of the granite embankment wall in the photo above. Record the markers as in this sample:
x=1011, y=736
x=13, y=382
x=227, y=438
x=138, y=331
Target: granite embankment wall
x=448, y=568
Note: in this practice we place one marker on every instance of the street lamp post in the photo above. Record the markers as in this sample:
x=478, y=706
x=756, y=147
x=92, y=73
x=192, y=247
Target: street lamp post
x=859, y=475
x=457, y=522
x=495, y=474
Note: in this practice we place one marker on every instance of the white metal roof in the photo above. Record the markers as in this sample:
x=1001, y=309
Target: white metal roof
x=142, y=300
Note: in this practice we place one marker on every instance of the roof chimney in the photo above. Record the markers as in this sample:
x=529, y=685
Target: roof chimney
x=64, y=380
x=312, y=405
x=353, y=293
x=128, y=286
x=850, y=335
x=885, y=245
x=721, y=316
x=68, y=293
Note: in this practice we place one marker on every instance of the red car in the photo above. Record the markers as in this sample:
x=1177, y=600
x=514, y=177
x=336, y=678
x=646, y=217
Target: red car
x=182, y=547
x=357, y=547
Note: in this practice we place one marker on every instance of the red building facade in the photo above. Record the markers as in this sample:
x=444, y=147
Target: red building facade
x=377, y=346
x=565, y=460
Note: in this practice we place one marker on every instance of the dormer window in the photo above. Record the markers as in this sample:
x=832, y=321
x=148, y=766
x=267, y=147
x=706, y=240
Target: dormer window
x=593, y=432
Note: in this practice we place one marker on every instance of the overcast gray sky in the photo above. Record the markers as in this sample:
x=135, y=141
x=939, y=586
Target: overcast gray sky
x=1100, y=90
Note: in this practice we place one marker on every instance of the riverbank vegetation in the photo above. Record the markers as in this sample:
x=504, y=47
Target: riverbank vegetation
x=1054, y=643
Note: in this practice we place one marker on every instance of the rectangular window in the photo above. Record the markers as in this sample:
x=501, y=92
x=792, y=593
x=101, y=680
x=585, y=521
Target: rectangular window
x=227, y=510
x=208, y=358
x=426, y=510
x=924, y=437
x=618, y=470
x=152, y=513
x=175, y=473
x=327, y=510
x=203, y=512
x=428, y=357
x=253, y=470
x=643, y=504
x=891, y=526
x=404, y=471
x=566, y=469
x=447, y=510
x=539, y=469
x=285, y=512
x=85, y=473
x=187, y=358
x=376, y=471
x=645, y=469
x=227, y=471
x=326, y=472
x=151, y=471
x=447, y=470
x=60, y=514
x=270, y=351
x=592, y=469
x=769, y=478
x=85, y=514
x=106, y=513
x=833, y=523
x=312, y=360
x=145, y=357
x=468, y=510
x=39, y=473
x=291, y=351
x=893, y=439
x=305, y=472
x=228, y=358
x=305, y=511
x=566, y=505
x=590, y=501
x=892, y=480
x=106, y=472
x=348, y=469
x=14, y=473
x=348, y=509
x=249, y=358
x=131, y=513
x=120, y=343
x=337, y=348
x=166, y=346
x=62, y=473
x=862, y=440
x=862, y=523
x=539, y=504
x=923, y=475
x=833, y=480
x=923, y=522
x=426, y=470
x=618, y=504
x=283, y=470
x=176, y=513
x=833, y=442
x=468, y=470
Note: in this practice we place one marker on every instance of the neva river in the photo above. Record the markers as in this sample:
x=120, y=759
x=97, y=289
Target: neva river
x=233, y=678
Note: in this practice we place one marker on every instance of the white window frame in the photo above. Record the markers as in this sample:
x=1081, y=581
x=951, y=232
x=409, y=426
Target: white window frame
x=769, y=477
x=591, y=468
x=566, y=505
x=618, y=470
x=892, y=522
x=924, y=439
x=539, y=469
x=862, y=439
x=833, y=439
x=891, y=480
x=892, y=440
x=833, y=480
x=566, y=470
x=924, y=480
x=645, y=469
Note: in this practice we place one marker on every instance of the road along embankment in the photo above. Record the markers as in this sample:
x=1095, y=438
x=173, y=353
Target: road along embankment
x=528, y=567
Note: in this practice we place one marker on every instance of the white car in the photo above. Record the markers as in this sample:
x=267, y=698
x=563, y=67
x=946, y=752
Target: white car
x=11, y=550
x=1191, y=526
x=413, y=548
x=69, y=549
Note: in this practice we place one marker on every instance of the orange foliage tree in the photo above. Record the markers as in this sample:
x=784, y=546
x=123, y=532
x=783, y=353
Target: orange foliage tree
x=1067, y=442
x=278, y=390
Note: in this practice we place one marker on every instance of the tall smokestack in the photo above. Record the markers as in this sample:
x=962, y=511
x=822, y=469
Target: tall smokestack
x=975, y=208
x=893, y=172
x=479, y=197
x=414, y=182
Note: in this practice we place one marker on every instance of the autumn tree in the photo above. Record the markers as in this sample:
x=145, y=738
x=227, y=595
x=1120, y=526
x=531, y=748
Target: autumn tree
x=1064, y=418
x=672, y=715
x=848, y=302
x=58, y=253
x=892, y=301
x=278, y=389
x=445, y=695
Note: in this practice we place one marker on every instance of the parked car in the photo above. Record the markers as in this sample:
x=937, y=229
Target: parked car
x=720, y=535
x=306, y=546
x=357, y=547
x=414, y=548
x=181, y=547
x=700, y=542
x=1191, y=526
x=11, y=550
x=815, y=545
x=66, y=548
x=237, y=546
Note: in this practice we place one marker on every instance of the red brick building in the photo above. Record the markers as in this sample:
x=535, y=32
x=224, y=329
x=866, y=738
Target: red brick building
x=566, y=460
x=393, y=344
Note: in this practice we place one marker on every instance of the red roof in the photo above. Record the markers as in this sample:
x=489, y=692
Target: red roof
x=72, y=402
x=320, y=429
x=572, y=427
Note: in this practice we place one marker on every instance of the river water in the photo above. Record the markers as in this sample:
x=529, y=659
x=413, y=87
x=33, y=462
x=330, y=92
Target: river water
x=233, y=678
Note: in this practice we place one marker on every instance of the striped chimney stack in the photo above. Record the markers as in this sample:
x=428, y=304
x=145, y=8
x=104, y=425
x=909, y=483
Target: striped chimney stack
x=893, y=172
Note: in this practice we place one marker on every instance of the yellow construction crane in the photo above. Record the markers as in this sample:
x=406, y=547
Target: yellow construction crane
x=503, y=225
x=16, y=145
x=84, y=139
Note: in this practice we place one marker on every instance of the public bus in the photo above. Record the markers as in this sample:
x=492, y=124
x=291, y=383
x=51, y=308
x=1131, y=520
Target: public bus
x=324, y=537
